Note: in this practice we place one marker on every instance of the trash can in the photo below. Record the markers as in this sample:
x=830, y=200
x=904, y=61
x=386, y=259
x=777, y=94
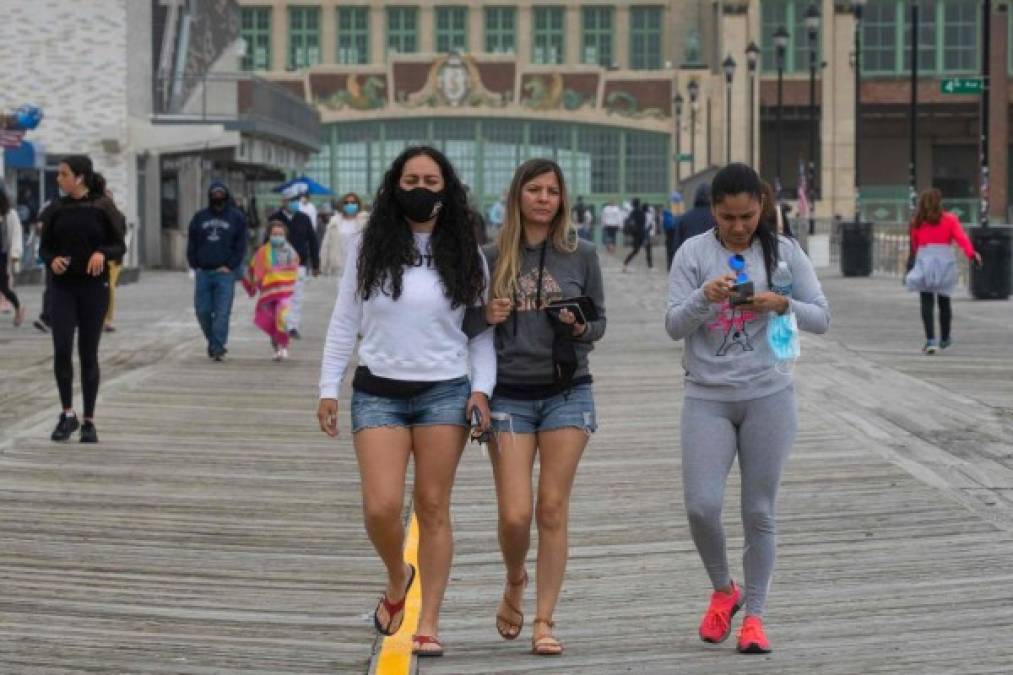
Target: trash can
x=856, y=249
x=992, y=280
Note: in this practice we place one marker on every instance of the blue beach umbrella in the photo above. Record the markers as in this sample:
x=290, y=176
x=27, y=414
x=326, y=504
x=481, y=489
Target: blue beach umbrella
x=312, y=186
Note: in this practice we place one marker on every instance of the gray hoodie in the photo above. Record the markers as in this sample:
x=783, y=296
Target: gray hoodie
x=727, y=357
x=524, y=340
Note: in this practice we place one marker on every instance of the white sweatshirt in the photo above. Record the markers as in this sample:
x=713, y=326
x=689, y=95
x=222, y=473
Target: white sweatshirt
x=416, y=338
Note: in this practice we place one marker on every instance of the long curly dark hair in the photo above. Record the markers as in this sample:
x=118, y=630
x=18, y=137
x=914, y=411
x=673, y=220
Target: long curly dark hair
x=388, y=244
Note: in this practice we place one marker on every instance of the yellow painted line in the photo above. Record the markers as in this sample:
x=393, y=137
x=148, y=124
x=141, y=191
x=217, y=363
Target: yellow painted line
x=396, y=652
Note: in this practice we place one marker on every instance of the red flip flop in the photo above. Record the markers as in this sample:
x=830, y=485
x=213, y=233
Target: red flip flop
x=393, y=608
x=419, y=641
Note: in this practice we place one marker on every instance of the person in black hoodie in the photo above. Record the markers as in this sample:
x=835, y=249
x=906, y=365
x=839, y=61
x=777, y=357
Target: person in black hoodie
x=698, y=219
x=302, y=235
x=81, y=232
x=641, y=237
x=215, y=249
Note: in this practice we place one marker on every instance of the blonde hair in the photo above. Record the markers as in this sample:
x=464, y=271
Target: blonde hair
x=561, y=232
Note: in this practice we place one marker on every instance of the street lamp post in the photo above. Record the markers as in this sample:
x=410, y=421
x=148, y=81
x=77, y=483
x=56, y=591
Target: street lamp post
x=729, y=67
x=752, y=58
x=986, y=73
x=913, y=111
x=812, y=26
x=857, y=8
x=694, y=104
x=780, y=49
x=678, y=100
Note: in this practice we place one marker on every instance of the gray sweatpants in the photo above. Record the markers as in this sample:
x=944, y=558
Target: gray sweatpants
x=761, y=432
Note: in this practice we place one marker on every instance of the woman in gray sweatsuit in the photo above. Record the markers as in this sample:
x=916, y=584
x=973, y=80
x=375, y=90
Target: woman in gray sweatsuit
x=738, y=401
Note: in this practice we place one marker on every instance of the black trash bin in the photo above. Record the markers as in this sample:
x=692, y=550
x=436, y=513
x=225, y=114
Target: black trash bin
x=856, y=249
x=992, y=280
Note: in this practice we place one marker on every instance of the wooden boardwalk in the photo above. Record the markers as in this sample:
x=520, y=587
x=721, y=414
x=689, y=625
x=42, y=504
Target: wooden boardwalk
x=215, y=530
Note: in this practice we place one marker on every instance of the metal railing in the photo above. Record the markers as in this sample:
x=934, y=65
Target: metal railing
x=239, y=101
x=890, y=247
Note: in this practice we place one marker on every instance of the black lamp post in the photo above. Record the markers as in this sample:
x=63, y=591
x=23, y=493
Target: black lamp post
x=913, y=111
x=986, y=73
x=780, y=49
x=678, y=101
x=729, y=67
x=752, y=58
x=856, y=6
x=812, y=27
x=694, y=104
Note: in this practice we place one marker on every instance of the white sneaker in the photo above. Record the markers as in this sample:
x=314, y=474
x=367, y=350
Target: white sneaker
x=278, y=355
x=283, y=354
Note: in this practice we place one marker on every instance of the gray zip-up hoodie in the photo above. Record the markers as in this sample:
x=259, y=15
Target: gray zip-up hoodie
x=524, y=340
x=727, y=357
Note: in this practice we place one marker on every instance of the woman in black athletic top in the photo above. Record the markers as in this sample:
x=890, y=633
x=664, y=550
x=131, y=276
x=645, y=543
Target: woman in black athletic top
x=81, y=232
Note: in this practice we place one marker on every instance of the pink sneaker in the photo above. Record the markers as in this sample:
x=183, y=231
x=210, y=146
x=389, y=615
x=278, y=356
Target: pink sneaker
x=752, y=639
x=716, y=625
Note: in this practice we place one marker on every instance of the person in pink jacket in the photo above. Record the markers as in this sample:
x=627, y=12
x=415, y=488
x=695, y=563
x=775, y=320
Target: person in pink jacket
x=934, y=272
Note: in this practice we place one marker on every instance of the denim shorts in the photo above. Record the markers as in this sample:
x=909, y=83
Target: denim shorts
x=574, y=408
x=443, y=403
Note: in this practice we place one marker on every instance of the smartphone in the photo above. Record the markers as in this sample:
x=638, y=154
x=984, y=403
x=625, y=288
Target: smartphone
x=741, y=293
x=478, y=435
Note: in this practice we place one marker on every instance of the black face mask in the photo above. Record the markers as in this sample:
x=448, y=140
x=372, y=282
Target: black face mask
x=218, y=202
x=419, y=204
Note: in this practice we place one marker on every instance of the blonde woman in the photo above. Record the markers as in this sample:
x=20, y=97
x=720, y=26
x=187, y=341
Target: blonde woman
x=543, y=403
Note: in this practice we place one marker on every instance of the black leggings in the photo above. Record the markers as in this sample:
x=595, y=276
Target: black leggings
x=641, y=241
x=5, y=283
x=81, y=305
x=945, y=316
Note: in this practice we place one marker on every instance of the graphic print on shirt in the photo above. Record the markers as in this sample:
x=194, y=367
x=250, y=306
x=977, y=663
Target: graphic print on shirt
x=216, y=225
x=732, y=322
x=527, y=291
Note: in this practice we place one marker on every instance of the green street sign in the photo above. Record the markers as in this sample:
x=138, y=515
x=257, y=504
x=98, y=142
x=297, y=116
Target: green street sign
x=961, y=85
x=684, y=157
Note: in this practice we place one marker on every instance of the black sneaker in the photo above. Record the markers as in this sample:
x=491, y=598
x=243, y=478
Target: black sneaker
x=294, y=334
x=65, y=427
x=88, y=432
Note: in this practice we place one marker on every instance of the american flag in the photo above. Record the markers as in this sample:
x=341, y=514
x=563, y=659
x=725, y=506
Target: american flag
x=11, y=138
x=803, y=191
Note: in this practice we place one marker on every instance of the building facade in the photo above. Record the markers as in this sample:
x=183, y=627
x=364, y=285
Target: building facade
x=595, y=85
x=151, y=90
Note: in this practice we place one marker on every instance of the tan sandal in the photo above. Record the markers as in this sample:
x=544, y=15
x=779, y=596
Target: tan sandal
x=513, y=630
x=547, y=645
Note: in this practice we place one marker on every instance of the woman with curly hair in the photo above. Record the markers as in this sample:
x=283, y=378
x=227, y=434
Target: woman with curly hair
x=405, y=288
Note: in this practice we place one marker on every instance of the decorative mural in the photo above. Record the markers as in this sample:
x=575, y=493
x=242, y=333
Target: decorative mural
x=357, y=92
x=549, y=92
x=638, y=99
x=460, y=81
x=454, y=81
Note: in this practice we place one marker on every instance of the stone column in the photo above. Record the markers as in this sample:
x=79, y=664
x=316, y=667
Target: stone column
x=525, y=29
x=377, y=34
x=734, y=33
x=279, y=35
x=573, y=36
x=998, y=119
x=476, y=29
x=621, y=36
x=837, y=113
x=328, y=32
x=427, y=29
